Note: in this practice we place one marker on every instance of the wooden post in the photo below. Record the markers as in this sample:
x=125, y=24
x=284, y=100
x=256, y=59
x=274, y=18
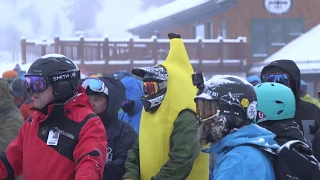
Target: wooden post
x=155, y=50
x=44, y=48
x=81, y=50
x=241, y=54
x=56, y=44
x=199, y=52
x=106, y=54
x=23, y=44
x=131, y=52
x=221, y=48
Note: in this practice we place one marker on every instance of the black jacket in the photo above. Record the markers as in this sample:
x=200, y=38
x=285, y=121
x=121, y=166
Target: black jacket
x=285, y=130
x=121, y=136
x=316, y=145
x=307, y=114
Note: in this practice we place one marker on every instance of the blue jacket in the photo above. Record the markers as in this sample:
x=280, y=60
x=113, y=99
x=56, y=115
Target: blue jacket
x=134, y=91
x=244, y=162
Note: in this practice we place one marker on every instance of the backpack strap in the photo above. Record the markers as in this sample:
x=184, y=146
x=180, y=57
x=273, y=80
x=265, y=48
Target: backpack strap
x=269, y=151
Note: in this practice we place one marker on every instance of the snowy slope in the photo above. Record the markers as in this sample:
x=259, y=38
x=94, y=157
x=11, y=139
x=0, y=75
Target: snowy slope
x=304, y=50
x=154, y=14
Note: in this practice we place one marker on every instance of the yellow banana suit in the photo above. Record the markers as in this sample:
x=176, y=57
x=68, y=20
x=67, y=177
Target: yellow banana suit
x=156, y=128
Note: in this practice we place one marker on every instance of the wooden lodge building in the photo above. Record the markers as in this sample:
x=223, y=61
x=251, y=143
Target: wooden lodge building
x=221, y=36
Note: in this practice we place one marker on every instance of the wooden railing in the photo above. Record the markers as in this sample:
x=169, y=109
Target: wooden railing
x=107, y=50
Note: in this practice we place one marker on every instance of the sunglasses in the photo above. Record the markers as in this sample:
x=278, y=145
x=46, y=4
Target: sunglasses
x=95, y=85
x=281, y=78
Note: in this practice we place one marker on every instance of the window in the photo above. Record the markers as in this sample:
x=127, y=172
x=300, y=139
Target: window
x=295, y=27
x=223, y=30
x=276, y=32
x=259, y=39
x=268, y=33
x=209, y=30
x=198, y=31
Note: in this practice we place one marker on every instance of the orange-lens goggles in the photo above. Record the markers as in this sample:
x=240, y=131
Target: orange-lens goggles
x=152, y=88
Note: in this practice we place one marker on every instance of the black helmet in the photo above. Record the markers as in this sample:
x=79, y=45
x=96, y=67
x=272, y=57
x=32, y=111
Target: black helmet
x=55, y=69
x=154, y=85
x=18, y=87
x=231, y=95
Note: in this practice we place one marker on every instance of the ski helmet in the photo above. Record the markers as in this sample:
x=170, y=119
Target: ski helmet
x=55, y=69
x=275, y=102
x=154, y=85
x=227, y=95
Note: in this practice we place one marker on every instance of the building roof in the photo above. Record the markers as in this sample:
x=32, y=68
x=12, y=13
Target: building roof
x=171, y=9
x=304, y=50
x=164, y=11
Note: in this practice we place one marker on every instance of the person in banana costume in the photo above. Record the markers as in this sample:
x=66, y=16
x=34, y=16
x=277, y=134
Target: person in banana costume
x=167, y=148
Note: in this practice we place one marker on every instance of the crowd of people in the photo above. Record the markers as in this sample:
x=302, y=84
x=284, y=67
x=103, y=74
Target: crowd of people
x=163, y=122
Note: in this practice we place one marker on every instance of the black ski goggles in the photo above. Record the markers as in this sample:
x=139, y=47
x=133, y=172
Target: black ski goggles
x=206, y=109
x=281, y=78
x=38, y=83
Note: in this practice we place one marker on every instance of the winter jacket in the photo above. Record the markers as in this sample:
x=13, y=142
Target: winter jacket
x=310, y=99
x=238, y=161
x=80, y=152
x=285, y=130
x=26, y=109
x=121, y=136
x=307, y=114
x=10, y=117
x=134, y=91
x=316, y=145
x=184, y=151
x=168, y=147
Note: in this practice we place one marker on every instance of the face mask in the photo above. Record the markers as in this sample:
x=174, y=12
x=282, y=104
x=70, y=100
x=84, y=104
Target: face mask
x=128, y=106
x=213, y=130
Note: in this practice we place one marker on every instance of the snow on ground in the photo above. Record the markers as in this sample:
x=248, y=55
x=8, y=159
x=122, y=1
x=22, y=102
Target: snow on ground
x=154, y=14
x=7, y=65
x=304, y=50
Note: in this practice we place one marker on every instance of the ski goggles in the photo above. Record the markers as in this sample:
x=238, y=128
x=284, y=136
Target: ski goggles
x=281, y=78
x=152, y=88
x=95, y=85
x=126, y=102
x=36, y=84
x=206, y=109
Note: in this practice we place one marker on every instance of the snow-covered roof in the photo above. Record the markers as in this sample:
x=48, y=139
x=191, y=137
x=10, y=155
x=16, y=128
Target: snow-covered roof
x=155, y=14
x=304, y=50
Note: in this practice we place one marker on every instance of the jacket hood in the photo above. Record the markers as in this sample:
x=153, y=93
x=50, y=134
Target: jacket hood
x=116, y=97
x=287, y=66
x=134, y=91
x=251, y=134
x=6, y=99
x=285, y=131
x=80, y=100
x=254, y=78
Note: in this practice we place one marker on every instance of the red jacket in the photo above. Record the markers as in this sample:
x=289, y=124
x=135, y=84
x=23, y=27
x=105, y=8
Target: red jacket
x=80, y=153
x=25, y=109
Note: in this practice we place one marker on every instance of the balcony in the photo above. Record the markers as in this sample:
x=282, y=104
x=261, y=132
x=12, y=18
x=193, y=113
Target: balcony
x=106, y=55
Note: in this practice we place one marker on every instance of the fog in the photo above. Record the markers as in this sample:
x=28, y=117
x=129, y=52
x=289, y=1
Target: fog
x=45, y=19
